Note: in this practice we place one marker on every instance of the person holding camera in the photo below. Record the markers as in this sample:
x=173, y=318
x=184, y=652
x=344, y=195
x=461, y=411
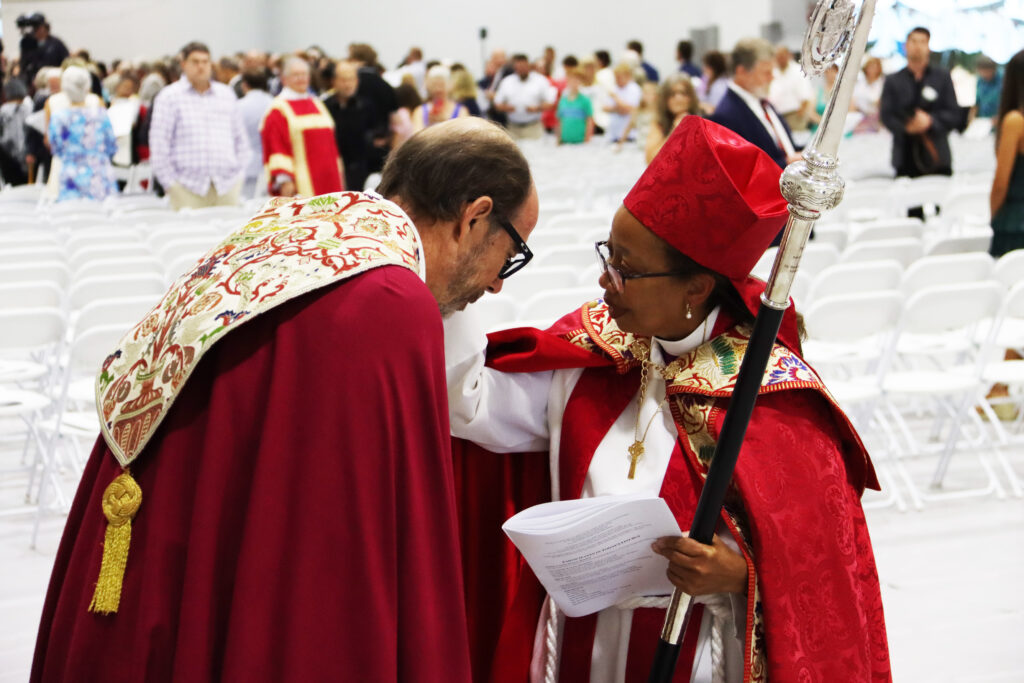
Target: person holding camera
x=38, y=48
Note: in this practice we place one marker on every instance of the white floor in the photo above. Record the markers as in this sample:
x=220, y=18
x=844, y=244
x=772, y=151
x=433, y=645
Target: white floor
x=951, y=582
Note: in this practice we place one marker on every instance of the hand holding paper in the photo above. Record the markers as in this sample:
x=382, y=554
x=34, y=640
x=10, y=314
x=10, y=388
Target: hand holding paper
x=593, y=553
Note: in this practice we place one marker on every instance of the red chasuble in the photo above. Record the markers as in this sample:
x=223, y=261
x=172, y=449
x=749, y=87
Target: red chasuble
x=298, y=521
x=281, y=415
x=814, y=608
x=298, y=142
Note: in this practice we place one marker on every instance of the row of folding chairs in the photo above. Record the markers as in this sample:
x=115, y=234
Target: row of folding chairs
x=913, y=371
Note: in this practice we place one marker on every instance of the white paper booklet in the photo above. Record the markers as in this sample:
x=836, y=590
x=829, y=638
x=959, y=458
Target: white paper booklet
x=593, y=553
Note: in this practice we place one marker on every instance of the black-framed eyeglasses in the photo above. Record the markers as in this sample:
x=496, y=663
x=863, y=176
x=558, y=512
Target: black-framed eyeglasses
x=523, y=256
x=616, y=276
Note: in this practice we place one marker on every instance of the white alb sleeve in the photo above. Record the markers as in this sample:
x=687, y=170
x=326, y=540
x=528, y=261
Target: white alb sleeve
x=505, y=412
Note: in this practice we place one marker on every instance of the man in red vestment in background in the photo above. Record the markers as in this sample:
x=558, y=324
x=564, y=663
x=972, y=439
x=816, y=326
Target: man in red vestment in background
x=291, y=516
x=298, y=139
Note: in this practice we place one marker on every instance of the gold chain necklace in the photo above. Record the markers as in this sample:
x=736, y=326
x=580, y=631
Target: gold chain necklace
x=636, y=451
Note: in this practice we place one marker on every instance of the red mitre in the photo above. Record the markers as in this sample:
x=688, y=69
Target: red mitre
x=713, y=196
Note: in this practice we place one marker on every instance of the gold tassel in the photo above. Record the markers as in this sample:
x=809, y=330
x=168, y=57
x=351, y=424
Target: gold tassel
x=121, y=501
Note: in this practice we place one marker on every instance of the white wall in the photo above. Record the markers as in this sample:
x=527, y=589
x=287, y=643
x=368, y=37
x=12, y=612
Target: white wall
x=148, y=28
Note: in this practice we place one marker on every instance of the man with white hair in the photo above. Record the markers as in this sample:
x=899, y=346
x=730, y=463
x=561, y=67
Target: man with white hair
x=745, y=109
x=299, y=149
x=197, y=142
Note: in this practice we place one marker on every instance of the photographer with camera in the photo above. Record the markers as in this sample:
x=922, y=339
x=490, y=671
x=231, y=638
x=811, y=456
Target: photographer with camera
x=38, y=47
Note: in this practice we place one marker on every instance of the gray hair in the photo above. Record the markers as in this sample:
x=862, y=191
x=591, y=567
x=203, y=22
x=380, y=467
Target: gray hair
x=750, y=51
x=75, y=82
x=291, y=62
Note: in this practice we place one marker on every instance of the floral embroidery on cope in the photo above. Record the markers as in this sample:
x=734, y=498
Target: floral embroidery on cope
x=289, y=248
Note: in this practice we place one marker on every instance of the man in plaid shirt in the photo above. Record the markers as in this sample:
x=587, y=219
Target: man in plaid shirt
x=197, y=141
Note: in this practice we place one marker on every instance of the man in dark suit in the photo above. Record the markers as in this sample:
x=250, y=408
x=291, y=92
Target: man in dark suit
x=919, y=108
x=745, y=110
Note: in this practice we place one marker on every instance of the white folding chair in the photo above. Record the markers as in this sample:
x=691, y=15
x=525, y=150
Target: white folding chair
x=531, y=281
x=582, y=222
x=30, y=336
x=1010, y=374
x=1009, y=269
x=102, y=238
x=194, y=248
x=887, y=229
x=856, y=278
x=128, y=266
x=850, y=338
x=934, y=271
x=960, y=244
x=944, y=373
x=836, y=234
x=93, y=289
x=495, y=311
x=967, y=205
x=572, y=255
x=163, y=235
x=89, y=254
x=906, y=251
x=56, y=272
x=816, y=257
x=544, y=239
x=13, y=256
x=551, y=305
x=31, y=294
x=27, y=239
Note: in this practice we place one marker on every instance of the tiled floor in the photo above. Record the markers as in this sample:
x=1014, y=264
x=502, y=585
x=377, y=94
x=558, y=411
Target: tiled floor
x=951, y=581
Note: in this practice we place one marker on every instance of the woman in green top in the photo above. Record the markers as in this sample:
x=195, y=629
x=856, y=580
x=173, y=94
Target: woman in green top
x=575, y=111
x=1007, y=197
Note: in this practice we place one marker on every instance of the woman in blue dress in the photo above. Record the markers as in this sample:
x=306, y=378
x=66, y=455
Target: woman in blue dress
x=83, y=139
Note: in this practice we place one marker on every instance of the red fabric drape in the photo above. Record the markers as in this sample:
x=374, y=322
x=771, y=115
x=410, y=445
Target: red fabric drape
x=298, y=520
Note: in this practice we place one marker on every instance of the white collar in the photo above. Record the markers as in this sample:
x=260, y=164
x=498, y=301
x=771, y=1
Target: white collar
x=752, y=100
x=662, y=347
x=289, y=94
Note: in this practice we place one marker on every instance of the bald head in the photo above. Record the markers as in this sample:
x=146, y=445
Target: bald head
x=443, y=168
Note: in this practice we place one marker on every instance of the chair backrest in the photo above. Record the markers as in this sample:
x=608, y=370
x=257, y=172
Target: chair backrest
x=14, y=256
x=581, y=222
x=817, y=257
x=129, y=266
x=494, y=311
x=31, y=328
x=165, y=234
x=836, y=234
x=555, y=303
x=970, y=203
x=936, y=310
x=31, y=294
x=933, y=271
x=186, y=247
x=114, y=287
x=960, y=245
x=888, y=228
x=102, y=238
x=27, y=239
x=856, y=278
x=124, y=312
x=574, y=255
x=56, y=272
x=91, y=348
x=851, y=317
x=531, y=281
x=545, y=239
x=89, y=254
x=906, y=251
x=1009, y=269
x=1013, y=306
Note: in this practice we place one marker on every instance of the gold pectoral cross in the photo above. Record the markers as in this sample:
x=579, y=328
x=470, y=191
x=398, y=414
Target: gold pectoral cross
x=636, y=451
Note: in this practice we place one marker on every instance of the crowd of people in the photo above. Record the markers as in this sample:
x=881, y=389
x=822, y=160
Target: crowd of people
x=217, y=129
